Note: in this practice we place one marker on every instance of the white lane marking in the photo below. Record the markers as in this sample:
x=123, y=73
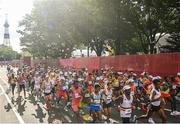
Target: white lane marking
x=21, y=121
x=69, y=120
x=5, y=82
x=1, y=93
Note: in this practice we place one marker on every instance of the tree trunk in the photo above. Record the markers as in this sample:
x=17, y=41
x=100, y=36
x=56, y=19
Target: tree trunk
x=118, y=50
x=98, y=52
x=152, y=49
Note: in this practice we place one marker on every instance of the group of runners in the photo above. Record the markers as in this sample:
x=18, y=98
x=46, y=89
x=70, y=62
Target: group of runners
x=98, y=91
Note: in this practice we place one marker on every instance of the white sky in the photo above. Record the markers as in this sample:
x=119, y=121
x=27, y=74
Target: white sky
x=15, y=9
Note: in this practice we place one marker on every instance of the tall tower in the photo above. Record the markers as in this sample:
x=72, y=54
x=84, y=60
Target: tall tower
x=6, y=40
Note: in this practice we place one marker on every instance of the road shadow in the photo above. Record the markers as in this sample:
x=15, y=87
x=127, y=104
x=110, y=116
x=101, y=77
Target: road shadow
x=32, y=100
x=42, y=100
x=8, y=91
x=54, y=116
x=20, y=105
x=7, y=107
x=60, y=115
x=39, y=114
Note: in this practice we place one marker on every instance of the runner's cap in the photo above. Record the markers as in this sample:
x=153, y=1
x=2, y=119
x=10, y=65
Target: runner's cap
x=134, y=74
x=62, y=78
x=120, y=73
x=80, y=79
x=178, y=74
x=104, y=72
x=131, y=80
x=159, y=77
x=98, y=78
x=90, y=82
x=126, y=87
x=151, y=77
x=143, y=73
x=156, y=78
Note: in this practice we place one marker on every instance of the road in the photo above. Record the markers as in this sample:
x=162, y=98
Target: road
x=27, y=110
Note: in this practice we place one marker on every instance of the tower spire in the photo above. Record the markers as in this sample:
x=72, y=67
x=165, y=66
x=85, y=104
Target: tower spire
x=6, y=40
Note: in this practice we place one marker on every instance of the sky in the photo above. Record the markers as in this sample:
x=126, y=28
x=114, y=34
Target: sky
x=15, y=9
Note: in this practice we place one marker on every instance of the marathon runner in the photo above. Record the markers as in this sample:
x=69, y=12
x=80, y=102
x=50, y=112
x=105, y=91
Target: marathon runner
x=155, y=103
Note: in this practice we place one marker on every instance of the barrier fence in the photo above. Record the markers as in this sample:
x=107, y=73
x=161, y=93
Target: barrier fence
x=158, y=64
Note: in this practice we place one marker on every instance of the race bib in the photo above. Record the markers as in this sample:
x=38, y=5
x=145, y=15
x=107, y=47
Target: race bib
x=125, y=112
x=174, y=86
x=128, y=111
x=108, y=101
x=76, y=95
x=87, y=95
x=109, y=97
x=97, y=101
x=23, y=82
x=64, y=87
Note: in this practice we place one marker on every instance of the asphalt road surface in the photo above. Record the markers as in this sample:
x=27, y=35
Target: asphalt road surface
x=23, y=111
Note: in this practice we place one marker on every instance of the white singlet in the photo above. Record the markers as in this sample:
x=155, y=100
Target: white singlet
x=125, y=107
x=157, y=95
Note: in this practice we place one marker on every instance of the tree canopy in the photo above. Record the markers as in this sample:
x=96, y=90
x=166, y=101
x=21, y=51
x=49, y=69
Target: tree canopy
x=55, y=28
x=7, y=53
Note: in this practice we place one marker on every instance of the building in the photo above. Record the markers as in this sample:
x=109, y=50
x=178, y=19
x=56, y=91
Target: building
x=162, y=42
x=82, y=53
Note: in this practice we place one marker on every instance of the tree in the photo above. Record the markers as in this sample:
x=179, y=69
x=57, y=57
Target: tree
x=25, y=54
x=49, y=31
x=105, y=21
x=173, y=43
x=56, y=31
x=150, y=17
x=98, y=45
x=123, y=20
x=8, y=54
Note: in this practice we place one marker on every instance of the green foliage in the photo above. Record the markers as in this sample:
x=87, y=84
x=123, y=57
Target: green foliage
x=7, y=53
x=25, y=54
x=47, y=31
x=98, y=45
x=149, y=17
x=56, y=27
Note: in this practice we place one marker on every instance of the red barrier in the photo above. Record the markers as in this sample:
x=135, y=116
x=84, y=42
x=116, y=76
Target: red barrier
x=26, y=61
x=46, y=62
x=159, y=64
x=90, y=63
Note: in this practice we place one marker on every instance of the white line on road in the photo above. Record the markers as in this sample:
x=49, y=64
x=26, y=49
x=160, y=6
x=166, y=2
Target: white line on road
x=3, y=79
x=66, y=117
x=1, y=93
x=5, y=82
x=13, y=108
